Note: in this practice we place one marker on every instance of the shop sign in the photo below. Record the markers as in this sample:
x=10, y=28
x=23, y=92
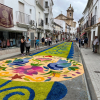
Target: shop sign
x=6, y=16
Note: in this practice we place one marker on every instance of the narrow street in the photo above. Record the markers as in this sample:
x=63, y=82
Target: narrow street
x=49, y=49
x=77, y=88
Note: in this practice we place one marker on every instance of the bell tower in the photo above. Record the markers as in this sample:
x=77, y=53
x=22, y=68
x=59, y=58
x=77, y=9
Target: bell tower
x=70, y=12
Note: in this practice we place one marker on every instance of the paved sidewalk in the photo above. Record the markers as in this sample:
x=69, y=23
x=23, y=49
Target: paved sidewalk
x=32, y=49
x=92, y=63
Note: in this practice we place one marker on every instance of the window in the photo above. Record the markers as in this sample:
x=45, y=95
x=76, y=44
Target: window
x=30, y=11
x=46, y=4
x=46, y=21
x=21, y=13
x=39, y=15
x=21, y=7
x=70, y=14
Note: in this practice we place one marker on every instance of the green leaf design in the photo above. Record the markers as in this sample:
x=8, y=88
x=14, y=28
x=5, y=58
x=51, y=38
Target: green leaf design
x=67, y=77
x=2, y=68
x=66, y=72
x=73, y=68
x=26, y=79
x=47, y=80
x=51, y=72
x=36, y=64
x=8, y=61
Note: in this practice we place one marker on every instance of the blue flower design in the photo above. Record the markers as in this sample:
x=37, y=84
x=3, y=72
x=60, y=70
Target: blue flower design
x=59, y=65
x=19, y=61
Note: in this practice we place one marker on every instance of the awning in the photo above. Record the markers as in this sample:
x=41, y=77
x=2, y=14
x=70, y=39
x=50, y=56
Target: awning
x=82, y=34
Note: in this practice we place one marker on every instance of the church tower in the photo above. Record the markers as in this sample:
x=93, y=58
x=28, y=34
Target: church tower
x=70, y=12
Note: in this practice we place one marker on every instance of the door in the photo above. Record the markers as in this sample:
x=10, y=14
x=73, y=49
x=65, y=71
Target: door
x=89, y=39
x=93, y=35
x=32, y=39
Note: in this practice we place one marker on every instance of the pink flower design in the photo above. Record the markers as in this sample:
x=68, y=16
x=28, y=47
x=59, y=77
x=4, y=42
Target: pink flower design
x=29, y=70
x=44, y=59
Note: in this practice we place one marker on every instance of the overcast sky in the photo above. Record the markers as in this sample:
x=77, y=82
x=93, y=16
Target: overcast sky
x=62, y=5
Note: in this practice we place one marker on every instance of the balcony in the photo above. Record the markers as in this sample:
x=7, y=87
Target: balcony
x=22, y=19
x=46, y=10
x=93, y=20
x=40, y=23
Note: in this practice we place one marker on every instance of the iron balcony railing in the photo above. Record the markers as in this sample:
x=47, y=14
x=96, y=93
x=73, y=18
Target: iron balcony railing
x=93, y=20
x=22, y=18
x=40, y=22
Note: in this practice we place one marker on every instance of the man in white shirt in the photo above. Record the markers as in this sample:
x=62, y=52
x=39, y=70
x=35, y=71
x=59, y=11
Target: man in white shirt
x=95, y=44
x=46, y=41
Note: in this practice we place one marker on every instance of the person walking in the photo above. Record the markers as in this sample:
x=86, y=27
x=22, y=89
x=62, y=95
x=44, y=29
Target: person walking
x=79, y=42
x=49, y=40
x=35, y=41
x=83, y=43
x=86, y=42
x=37, y=44
x=43, y=40
x=95, y=44
x=22, y=45
x=28, y=44
x=56, y=40
x=46, y=41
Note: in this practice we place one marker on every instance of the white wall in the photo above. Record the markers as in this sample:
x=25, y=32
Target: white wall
x=50, y=15
x=29, y=4
x=61, y=23
x=37, y=14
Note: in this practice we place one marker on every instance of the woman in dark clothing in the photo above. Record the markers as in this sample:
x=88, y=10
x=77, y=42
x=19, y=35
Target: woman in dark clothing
x=22, y=45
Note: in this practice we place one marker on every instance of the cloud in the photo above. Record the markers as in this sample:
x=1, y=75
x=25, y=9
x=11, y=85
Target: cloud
x=62, y=5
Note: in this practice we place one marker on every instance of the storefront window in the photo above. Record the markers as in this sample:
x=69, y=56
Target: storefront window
x=10, y=39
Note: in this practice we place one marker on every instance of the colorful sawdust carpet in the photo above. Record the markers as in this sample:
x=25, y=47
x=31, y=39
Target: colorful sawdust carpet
x=34, y=77
x=40, y=69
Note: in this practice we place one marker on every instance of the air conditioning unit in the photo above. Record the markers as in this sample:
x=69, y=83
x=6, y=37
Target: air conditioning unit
x=32, y=22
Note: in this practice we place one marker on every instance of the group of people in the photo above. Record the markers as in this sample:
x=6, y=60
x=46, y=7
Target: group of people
x=46, y=41
x=26, y=43
x=84, y=42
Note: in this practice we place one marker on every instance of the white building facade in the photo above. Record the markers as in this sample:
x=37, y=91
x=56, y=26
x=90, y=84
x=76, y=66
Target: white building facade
x=63, y=28
x=39, y=19
x=24, y=16
x=48, y=18
x=92, y=21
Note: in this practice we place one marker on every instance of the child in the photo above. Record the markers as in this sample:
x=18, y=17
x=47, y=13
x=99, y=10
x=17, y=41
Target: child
x=37, y=44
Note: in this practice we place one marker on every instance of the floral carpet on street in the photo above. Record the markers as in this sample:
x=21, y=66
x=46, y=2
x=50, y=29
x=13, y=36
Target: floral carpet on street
x=37, y=77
